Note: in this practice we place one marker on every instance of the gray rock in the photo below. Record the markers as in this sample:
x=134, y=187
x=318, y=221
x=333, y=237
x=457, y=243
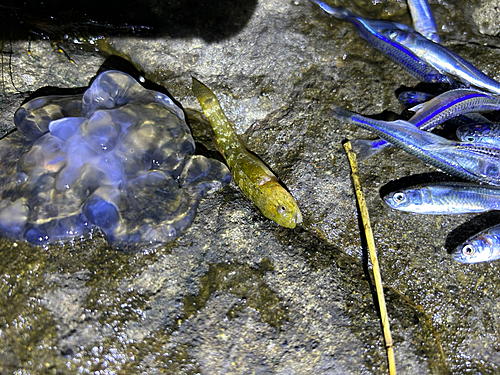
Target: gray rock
x=487, y=17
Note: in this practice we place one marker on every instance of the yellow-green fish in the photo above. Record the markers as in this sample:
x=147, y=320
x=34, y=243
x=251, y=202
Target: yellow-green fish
x=252, y=176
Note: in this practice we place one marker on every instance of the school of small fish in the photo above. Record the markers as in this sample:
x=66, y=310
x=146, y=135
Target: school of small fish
x=474, y=156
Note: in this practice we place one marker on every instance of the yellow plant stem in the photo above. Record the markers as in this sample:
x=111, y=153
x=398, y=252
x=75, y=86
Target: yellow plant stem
x=373, y=256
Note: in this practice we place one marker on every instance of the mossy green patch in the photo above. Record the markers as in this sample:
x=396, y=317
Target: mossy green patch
x=27, y=330
x=27, y=327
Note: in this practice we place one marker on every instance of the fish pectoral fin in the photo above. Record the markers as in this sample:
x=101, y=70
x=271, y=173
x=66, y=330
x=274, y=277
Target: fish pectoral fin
x=417, y=107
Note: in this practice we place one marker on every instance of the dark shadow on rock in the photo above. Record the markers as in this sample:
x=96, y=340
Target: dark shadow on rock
x=385, y=116
x=426, y=87
x=212, y=20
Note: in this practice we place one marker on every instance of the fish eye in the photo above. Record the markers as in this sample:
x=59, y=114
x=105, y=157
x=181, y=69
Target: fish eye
x=392, y=34
x=399, y=197
x=470, y=138
x=281, y=209
x=468, y=250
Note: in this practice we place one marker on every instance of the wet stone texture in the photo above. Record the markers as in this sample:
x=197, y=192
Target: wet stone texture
x=237, y=294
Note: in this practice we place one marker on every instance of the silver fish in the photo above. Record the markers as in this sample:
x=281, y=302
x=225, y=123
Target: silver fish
x=423, y=20
x=445, y=198
x=486, y=132
x=441, y=58
x=472, y=161
x=434, y=112
x=482, y=247
x=453, y=103
x=371, y=30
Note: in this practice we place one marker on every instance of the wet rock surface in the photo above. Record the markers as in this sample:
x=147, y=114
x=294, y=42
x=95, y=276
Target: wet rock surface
x=236, y=293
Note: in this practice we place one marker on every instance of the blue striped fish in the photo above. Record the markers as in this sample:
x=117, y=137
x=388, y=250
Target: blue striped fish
x=373, y=32
x=441, y=198
x=434, y=112
x=486, y=132
x=423, y=20
x=442, y=59
x=482, y=247
x=472, y=161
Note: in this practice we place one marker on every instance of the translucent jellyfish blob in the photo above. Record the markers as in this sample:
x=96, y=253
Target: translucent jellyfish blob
x=119, y=157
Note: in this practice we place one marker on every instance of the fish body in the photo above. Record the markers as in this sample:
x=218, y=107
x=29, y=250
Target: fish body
x=445, y=198
x=252, y=176
x=439, y=109
x=372, y=31
x=423, y=20
x=482, y=247
x=442, y=59
x=475, y=162
x=451, y=104
x=486, y=132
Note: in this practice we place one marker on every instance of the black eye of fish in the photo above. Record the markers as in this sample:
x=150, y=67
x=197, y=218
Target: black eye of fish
x=281, y=209
x=399, y=197
x=468, y=250
x=470, y=138
x=392, y=34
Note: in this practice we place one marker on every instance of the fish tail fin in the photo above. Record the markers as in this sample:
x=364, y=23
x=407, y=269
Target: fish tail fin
x=202, y=92
x=337, y=12
x=341, y=114
x=366, y=148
